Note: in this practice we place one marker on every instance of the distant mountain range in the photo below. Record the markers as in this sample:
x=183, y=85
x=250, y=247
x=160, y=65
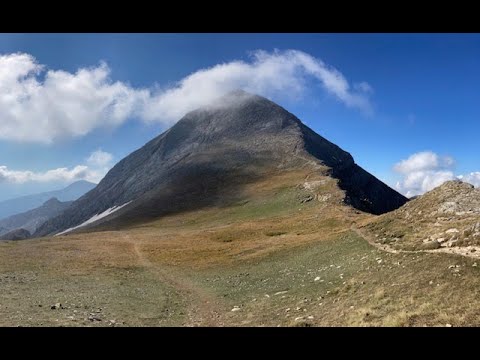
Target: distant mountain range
x=29, y=202
x=32, y=219
x=208, y=157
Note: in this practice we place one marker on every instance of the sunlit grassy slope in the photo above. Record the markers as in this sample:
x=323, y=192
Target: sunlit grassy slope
x=284, y=255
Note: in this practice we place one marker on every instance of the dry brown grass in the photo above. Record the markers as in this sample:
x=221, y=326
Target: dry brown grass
x=281, y=261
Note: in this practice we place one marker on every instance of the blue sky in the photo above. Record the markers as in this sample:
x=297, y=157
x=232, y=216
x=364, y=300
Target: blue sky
x=409, y=113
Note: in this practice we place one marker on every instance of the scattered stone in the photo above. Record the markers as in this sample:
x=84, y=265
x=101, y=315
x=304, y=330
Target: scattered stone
x=287, y=309
x=236, y=308
x=310, y=317
x=431, y=282
x=452, y=231
x=57, y=306
x=474, y=264
x=448, y=325
x=317, y=278
x=307, y=199
x=94, y=317
x=281, y=292
x=299, y=318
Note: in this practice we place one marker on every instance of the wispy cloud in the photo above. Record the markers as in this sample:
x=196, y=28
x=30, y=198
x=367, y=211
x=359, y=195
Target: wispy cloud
x=424, y=161
x=472, y=178
x=423, y=171
x=38, y=104
x=99, y=162
x=100, y=158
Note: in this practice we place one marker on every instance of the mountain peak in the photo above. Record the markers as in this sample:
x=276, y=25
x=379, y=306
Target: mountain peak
x=454, y=184
x=51, y=202
x=233, y=100
x=211, y=154
x=239, y=92
x=79, y=183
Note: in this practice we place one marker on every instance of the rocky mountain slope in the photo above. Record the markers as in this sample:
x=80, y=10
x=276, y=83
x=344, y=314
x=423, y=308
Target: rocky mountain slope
x=445, y=217
x=17, y=234
x=32, y=219
x=25, y=203
x=207, y=159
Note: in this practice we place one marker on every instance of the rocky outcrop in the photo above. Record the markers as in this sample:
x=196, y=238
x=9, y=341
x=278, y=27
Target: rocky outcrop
x=448, y=215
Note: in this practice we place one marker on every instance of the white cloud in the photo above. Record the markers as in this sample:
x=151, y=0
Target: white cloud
x=41, y=105
x=422, y=161
x=472, y=178
x=60, y=174
x=419, y=182
x=61, y=104
x=364, y=87
x=280, y=73
x=423, y=171
x=100, y=158
x=99, y=164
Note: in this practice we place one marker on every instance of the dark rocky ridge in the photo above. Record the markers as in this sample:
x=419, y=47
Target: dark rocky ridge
x=208, y=156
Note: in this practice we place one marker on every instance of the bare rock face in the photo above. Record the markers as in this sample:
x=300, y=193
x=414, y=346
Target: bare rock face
x=448, y=214
x=208, y=156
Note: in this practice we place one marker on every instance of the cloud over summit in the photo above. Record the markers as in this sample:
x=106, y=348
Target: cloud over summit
x=41, y=105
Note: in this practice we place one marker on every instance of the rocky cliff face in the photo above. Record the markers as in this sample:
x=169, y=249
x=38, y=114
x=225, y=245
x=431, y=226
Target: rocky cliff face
x=210, y=154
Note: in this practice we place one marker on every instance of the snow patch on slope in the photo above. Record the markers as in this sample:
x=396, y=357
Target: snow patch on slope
x=95, y=218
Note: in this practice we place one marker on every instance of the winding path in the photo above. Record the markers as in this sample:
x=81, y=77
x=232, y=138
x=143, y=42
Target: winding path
x=462, y=251
x=203, y=308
